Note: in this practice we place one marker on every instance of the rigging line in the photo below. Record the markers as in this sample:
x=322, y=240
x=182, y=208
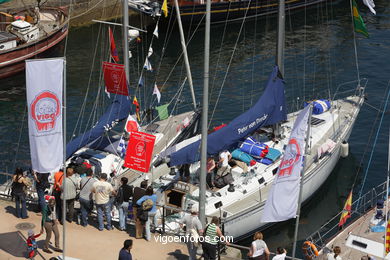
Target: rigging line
x=354, y=44
x=253, y=56
x=372, y=151
x=218, y=59
x=67, y=35
x=304, y=51
x=20, y=135
x=230, y=61
x=83, y=106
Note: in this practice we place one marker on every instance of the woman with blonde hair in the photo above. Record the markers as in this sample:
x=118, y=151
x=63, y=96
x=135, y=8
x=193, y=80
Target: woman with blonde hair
x=336, y=254
x=258, y=249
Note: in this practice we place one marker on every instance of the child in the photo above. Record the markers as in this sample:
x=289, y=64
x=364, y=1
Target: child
x=32, y=244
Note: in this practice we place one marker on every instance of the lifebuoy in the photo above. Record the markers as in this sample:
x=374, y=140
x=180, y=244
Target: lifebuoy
x=309, y=250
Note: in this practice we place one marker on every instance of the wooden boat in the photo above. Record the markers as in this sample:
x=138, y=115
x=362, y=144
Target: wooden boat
x=27, y=33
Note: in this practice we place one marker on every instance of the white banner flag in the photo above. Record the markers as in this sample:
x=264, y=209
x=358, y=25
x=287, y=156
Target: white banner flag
x=44, y=80
x=157, y=92
x=282, y=200
x=370, y=4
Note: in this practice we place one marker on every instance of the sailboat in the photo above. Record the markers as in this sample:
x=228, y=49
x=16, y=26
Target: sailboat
x=241, y=202
x=367, y=233
x=99, y=145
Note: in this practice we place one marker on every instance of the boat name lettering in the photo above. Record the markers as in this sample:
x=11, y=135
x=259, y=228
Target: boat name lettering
x=252, y=124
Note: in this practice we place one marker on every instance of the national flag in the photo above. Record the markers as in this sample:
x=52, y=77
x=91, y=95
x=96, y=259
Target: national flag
x=157, y=92
x=358, y=22
x=115, y=78
x=114, y=52
x=164, y=8
x=155, y=32
x=346, y=211
x=370, y=4
x=131, y=125
x=135, y=102
x=122, y=146
x=282, y=201
x=147, y=65
x=44, y=84
x=150, y=52
x=388, y=237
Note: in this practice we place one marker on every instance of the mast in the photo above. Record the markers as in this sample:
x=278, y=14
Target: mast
x=205, y=108
x=125, y=29
x=280, y=48
x=64, y=158
x=281, y=37
x=184, y=47
x=301, y=182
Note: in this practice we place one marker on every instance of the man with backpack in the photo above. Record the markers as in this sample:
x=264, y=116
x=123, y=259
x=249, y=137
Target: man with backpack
x=147, y=210
x=139, y=192
x=193, y=231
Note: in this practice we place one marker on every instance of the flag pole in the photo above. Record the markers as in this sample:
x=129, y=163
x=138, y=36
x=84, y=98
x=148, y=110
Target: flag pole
x=301, y=183
x=64, y=162
x=387, y=193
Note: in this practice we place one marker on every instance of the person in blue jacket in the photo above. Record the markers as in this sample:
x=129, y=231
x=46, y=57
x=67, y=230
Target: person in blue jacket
x=152, y=213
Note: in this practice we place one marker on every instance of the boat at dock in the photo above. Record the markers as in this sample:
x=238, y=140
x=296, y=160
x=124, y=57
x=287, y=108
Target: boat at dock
x=221, y=11
x=28, y=33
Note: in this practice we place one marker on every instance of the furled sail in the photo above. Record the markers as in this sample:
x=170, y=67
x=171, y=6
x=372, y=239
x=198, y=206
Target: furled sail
x=269, y=109
x=118, y=110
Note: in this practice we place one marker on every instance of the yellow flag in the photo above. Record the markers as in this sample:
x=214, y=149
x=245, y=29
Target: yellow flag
x=165, y=8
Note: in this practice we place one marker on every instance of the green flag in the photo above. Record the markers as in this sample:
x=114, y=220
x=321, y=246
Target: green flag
x=359, y=25
x=163, y=111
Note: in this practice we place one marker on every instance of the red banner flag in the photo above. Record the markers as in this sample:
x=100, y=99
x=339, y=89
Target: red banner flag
x=139, y=151
x=115, y=78
x=114, y=52
x=346, y=211
x=388, y=237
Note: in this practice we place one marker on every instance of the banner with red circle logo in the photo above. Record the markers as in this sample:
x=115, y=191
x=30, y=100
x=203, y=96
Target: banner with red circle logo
x=139, y=151
x=44, y=83
x=115, y=78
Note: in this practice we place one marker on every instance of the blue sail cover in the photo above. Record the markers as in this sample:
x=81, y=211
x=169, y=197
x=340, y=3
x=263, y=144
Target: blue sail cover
x=269, y=109
x=118, y=110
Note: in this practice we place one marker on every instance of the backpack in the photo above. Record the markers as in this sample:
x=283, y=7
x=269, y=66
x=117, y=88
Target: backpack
x=147, y=205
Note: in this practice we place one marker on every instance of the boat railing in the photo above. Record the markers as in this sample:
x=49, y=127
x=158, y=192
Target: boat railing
x=359, y=207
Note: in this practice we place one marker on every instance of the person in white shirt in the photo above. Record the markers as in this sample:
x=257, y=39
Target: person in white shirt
x=336, y=254
x=223, y=163
x=281, y=254
x=102, y=190
x=258, y=249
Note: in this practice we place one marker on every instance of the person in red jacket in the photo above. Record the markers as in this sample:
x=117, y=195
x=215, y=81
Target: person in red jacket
x=32, y=244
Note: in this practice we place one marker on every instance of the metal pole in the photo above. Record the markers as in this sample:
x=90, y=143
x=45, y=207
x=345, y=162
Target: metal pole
x=184, y=47
x=64, y=162
x=125, y=39
x=387, y=189
x=281, y=32
x=301, y=184
x=205, y=103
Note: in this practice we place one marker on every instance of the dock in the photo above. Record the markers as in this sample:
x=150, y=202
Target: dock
x=82, y=242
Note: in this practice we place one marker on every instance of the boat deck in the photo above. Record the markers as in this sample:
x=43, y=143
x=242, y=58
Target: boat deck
x=359, y=231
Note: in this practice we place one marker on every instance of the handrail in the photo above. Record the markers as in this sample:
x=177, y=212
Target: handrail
x=330, y=229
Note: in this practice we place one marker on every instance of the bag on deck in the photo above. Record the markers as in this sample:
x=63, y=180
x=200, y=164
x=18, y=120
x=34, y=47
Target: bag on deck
x=319, y=106
x=254, y=148
x=242, y=156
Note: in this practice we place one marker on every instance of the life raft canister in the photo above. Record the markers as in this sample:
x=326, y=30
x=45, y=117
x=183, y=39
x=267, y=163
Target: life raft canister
x=309, y=250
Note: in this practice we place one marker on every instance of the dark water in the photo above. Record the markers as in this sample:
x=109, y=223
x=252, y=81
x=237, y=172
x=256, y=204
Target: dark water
x=315, y=65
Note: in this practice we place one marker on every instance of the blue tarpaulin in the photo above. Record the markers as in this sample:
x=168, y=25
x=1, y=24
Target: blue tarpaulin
x=118, y=110
x=269, y=109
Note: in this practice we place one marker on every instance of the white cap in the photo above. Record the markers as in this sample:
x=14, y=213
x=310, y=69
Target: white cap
x=146, y=178
x=194, y=209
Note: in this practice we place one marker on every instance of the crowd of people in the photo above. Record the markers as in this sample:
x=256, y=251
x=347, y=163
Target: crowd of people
x=101, y=194
x=88, y=193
